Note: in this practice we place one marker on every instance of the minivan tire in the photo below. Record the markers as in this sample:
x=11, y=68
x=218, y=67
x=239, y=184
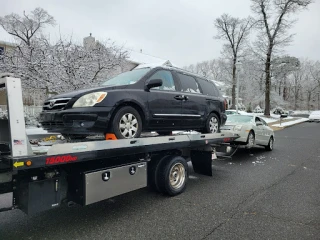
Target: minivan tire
x=131, y=122
x=164, y=133
x=212, y=119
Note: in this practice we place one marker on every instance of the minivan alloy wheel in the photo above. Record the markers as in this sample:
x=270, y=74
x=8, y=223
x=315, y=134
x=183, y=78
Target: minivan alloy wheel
x=213, y=125
x=128, y=125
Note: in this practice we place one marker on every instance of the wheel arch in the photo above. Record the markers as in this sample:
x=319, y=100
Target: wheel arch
x=251, y=131
x=134, y=105
x=217, y=114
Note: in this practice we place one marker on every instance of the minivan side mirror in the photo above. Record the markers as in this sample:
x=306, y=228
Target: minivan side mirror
x=153, y=83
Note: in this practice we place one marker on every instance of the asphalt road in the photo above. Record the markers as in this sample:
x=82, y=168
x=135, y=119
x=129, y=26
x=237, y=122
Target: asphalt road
x=257, y=195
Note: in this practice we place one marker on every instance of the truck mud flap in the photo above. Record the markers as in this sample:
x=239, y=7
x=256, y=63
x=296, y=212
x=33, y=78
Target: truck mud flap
x=202, y=162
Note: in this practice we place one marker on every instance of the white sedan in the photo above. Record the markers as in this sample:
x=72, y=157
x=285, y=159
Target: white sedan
x=314, y=116
x=252, y=130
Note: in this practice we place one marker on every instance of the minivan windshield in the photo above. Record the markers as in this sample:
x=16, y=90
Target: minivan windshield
x=127, y=78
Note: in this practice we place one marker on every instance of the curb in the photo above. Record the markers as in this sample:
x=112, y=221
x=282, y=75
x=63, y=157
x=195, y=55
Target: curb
x=283, y=127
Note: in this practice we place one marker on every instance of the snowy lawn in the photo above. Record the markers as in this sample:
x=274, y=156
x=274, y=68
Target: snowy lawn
x=269, y=120
x=301, y=112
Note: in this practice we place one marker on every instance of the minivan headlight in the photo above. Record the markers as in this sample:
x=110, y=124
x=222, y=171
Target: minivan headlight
x=90, y=99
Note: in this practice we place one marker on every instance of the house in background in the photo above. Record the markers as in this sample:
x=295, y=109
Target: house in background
x=6, y=46
x=133, y=59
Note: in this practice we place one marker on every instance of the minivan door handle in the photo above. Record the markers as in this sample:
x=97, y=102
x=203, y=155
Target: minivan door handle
x=179, y=97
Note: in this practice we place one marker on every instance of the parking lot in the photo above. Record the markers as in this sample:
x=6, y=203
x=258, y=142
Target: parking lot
x=256, y=195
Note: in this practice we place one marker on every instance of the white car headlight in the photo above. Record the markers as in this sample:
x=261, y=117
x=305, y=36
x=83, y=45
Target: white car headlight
x=237, y=128
x=90, y=99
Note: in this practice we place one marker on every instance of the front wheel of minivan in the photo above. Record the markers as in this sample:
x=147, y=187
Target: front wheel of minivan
x=127, y=123
x=212, y=124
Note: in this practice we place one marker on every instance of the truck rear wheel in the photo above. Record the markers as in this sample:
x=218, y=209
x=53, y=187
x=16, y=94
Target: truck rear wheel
x=172, y=175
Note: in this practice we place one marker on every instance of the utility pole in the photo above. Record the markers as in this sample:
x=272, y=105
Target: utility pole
x=238, y=64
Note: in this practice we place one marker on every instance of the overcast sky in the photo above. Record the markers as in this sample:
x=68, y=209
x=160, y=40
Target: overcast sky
x=181, y=31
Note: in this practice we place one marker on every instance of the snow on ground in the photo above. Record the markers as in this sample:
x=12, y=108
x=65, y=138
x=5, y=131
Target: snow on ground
x=285, y=124
x=297, y=112
x=269, y=120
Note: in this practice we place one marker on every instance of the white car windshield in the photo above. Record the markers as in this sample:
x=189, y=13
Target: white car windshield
x=239, y=119
x=127, y=78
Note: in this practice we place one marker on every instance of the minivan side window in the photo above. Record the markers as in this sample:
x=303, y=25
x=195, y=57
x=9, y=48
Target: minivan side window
x=167, y=80
x=188, y=84
x=208, y=87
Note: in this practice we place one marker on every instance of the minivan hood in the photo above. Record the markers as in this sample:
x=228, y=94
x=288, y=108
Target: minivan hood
x=82, y=92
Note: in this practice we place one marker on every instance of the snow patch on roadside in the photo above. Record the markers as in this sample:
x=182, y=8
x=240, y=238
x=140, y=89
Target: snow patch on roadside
x=269, y=120
x=285, y=124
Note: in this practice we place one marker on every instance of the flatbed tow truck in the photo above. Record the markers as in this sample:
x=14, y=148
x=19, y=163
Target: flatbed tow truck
x=91, y=171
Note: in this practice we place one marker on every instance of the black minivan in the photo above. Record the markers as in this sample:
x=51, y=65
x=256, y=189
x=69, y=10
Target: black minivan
x=160, y=99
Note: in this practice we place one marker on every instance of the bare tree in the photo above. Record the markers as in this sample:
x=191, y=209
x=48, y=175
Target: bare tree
x=58, y=67
x=282, y=68
x=234, y=32
x=25, y=27
x=273, y=22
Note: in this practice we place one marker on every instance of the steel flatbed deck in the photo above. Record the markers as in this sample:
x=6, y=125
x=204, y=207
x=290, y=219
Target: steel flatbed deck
x=69, y=153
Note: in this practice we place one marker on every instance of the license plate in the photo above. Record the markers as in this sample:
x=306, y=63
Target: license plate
x=47, y=117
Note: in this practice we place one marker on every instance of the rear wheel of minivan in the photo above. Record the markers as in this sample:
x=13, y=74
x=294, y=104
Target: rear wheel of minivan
x=127, y=123
x=212, y=124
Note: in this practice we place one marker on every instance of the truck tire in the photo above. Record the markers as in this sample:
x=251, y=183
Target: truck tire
x=172, y=175
x=152, y=172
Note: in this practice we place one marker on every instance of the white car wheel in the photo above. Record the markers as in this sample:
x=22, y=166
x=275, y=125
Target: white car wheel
x=269, y=147
x=251, y=140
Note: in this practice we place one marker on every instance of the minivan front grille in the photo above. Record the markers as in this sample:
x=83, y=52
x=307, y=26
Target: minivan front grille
x=55, y=104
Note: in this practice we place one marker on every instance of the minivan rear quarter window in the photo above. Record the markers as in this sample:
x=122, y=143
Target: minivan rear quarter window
x=188, y=84
x=208, y=88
